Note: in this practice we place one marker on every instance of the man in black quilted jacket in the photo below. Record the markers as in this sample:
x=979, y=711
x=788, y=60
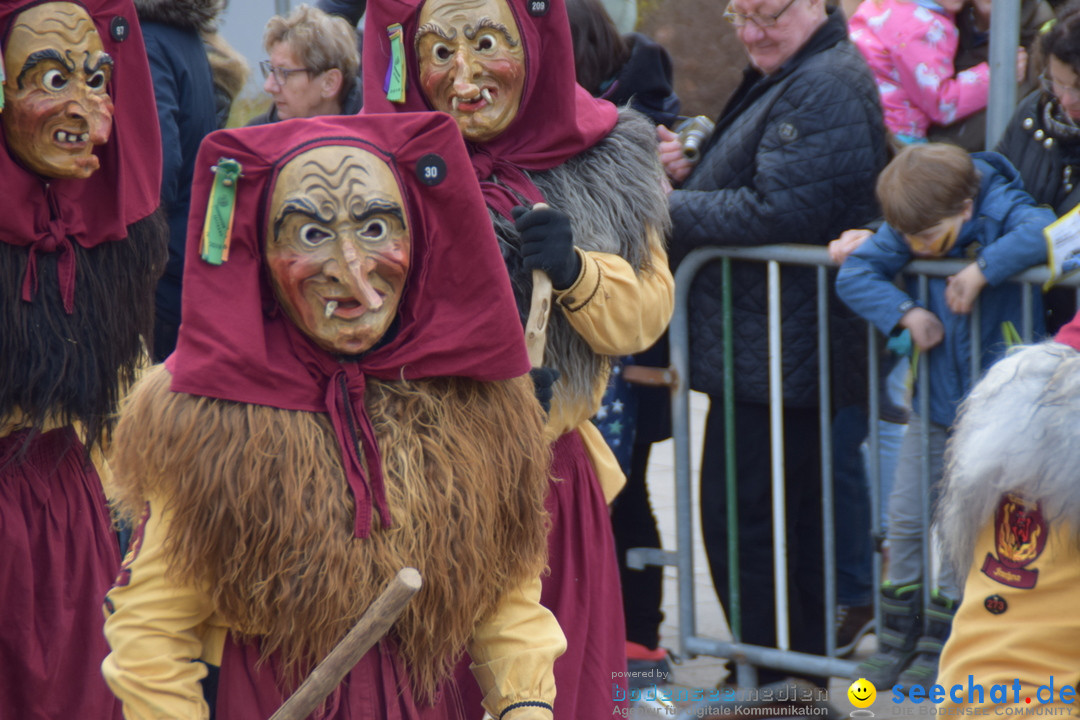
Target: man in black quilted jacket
x=793, y=159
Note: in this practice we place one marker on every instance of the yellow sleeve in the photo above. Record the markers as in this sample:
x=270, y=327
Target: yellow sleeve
x=154, y=628
x=618, y=311
x=514, y=653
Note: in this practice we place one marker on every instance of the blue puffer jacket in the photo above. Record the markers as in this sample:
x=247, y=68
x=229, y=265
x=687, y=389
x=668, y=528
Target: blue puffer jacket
x=1004, y=237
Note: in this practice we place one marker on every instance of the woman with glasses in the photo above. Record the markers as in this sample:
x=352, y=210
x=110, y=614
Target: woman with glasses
x=1043, y=137
x=314, y=66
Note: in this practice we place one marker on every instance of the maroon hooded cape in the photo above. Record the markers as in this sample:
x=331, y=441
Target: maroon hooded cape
x=556, y=120
x=456, y=316
x=53, y=213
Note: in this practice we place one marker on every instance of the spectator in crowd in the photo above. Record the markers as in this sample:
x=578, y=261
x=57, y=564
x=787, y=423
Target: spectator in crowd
x=938, y=201
x=973, y=47
x=314, y=66
x=631, y=69
x=911, y=46
x=793, y=159
x=536, y=135
x=973, y=44
x=1043, y=138
x=1008, y=519
x=187, y=112
x=349, y=396
x=81, y=249
x=970, y=133
x=627, y=69
x=1042, y=141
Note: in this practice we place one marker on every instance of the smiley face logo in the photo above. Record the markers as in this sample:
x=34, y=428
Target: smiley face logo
x=862, y=693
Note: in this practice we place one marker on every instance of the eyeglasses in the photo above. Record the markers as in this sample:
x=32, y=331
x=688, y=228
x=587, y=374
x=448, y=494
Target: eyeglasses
x=280, y=74
x=1048, y=84
x=762, y=21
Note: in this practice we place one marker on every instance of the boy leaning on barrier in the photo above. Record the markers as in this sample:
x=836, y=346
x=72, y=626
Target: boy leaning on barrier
x=938, y=201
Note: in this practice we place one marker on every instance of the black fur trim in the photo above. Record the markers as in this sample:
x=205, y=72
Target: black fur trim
x=73, y=368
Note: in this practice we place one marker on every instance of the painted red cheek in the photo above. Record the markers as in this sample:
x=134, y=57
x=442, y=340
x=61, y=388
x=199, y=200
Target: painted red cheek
x=396, y=255
x=289, y=273
x=506, y=68
x=35, y=110
x=431, y=81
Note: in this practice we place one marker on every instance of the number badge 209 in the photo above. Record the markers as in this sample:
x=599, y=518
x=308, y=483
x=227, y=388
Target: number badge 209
x=538, y=8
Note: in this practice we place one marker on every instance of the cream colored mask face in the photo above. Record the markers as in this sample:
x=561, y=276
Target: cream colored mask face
x=57, y=107
x=338, y=246
x=472, y=64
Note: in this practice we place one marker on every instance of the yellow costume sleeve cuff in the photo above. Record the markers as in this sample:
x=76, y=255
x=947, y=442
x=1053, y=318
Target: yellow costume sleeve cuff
x=514, y=653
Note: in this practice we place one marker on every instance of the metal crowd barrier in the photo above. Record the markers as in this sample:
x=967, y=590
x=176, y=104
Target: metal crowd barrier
x=782, y=657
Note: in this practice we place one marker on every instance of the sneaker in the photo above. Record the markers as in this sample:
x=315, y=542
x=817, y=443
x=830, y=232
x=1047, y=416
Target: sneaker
x=924, y=667
x=646, y=667
x=852, y=623
x=901, y=617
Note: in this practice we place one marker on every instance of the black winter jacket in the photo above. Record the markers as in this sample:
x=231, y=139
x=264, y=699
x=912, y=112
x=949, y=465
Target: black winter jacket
x=794, y=159
x=1046, y=153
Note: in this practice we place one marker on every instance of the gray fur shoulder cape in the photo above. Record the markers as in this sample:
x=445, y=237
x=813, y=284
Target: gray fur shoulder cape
x=197, y=15
x=1018, y=431
x=613, y=193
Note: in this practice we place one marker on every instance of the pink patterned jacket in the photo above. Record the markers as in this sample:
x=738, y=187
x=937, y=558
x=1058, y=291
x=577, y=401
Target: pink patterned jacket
x=911, y=50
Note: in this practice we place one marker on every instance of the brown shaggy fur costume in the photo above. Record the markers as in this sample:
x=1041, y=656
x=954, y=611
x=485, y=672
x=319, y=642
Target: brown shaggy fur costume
x=262, y=514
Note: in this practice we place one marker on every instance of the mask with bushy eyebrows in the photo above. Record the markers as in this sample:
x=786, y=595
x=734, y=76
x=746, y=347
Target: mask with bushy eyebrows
x=338, y=246
x=58, y=106
x=472, y=64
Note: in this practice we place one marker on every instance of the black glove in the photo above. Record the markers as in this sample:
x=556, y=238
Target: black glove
x=544, y=384
x=547, y=243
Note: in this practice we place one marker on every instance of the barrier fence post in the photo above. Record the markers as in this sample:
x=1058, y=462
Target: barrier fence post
x=828, y=500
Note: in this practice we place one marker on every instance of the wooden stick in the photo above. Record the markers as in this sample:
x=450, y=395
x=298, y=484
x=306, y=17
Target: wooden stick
x=539, y=312
x=372, y=625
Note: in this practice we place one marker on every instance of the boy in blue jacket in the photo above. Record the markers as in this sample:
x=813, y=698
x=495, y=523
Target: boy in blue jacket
x=938, y=201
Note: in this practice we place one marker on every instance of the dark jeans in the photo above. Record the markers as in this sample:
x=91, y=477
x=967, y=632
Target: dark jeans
x=634, y=524
x=802, y=459
x=851, y=504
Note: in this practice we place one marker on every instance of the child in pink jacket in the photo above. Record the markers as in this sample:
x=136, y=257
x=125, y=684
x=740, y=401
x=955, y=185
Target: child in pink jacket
x=910, y=46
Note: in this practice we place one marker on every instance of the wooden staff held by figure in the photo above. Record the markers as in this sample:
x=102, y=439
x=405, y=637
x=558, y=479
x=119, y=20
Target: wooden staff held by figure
x=539, y=312
x=372, y=625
